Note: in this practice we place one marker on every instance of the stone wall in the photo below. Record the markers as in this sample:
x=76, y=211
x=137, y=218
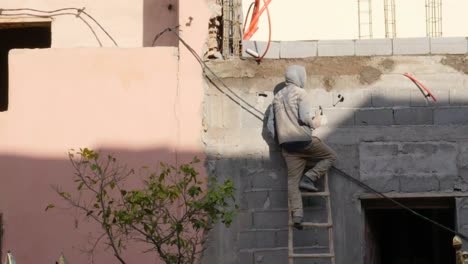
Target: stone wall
x=385, y=132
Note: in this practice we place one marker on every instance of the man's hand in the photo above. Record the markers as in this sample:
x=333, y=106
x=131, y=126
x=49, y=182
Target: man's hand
x=317, y=119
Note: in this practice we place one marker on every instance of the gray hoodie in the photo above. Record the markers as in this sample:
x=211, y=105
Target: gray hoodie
x=290, y=118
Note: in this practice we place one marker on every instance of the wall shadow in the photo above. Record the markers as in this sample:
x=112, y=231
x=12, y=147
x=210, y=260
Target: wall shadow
x=36, y=236
x=260, y=232
x=157, y=16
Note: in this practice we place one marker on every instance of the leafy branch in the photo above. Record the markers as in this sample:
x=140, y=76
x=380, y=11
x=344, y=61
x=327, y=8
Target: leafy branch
x=171, y=212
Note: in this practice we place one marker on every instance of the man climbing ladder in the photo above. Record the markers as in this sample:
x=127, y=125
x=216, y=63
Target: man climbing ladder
x=291, y=122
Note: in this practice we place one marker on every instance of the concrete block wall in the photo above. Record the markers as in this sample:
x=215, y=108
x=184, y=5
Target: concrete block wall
x=385, y=133
x=359, y=47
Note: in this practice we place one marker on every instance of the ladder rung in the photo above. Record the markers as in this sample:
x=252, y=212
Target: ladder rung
x=312, y=224
x=311, y=256
x=315, y=194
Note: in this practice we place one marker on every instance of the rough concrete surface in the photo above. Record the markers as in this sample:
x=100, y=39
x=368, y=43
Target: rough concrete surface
x=385, y=133
x=459, y=63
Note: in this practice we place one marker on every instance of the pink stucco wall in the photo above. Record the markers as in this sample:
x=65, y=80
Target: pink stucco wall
x=126, y=101
x=143, y=104
x=131, y=23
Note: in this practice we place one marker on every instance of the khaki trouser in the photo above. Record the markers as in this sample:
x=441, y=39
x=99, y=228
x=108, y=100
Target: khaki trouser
x=296, y=161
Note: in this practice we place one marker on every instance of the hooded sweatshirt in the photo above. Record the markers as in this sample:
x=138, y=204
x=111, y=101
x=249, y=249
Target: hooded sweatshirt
x=290, y=118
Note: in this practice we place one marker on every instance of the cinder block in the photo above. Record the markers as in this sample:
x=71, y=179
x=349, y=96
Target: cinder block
x=452, y=45
x=270, y=219
x=257, y=239
x=320, y=97
x=274, y=256
x=463, y=155
x=231, y=113
x=419, y=99
x=298, y=49
x=269, y=180
x=260, y=47
x=278, y=199
x=336, y=48
x=411, y=46
x=442, y=96
x=356, y=98
x=427, y=184
x=310, y=237
x=459, y=96
x=246, y=256
x=412, y=160
x=389, y=97
x=214, y=117
x=413, y=116
x=450, y=184
x=451, y=116
x=374, y=117
x=282, y=238
x=371, y=47
x=255, y=200
x=384, y=185
x=339, y=117
x=245, y=220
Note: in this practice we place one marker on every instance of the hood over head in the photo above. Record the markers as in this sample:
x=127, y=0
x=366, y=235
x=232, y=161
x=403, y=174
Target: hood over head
x=296, y=75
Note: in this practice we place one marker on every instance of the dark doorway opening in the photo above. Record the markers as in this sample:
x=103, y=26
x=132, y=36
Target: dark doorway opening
x=1, y=236
x=394, y=235
x=19, y=36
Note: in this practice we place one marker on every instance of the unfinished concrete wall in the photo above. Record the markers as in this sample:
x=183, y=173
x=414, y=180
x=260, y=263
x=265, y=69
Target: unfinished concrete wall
x=385, y=133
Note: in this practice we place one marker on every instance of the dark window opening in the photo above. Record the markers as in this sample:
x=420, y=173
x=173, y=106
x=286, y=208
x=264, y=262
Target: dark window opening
x=19, y=36
x=1, y=236
x=394, y=235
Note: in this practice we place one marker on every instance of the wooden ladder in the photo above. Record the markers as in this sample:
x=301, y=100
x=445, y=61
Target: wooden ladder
x=328, y=225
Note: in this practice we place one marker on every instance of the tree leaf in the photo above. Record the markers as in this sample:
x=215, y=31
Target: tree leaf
x=49, y=206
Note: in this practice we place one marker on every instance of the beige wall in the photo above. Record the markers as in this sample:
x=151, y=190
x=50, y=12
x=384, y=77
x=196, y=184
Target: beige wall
x=130, y=23
x=337, y=19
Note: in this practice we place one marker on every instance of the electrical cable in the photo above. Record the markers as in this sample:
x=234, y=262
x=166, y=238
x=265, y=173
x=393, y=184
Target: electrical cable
x=206, y=67
x=62, y=14
x=342, y=173
x=367, y=187
x=247, y=16
x=52, y=14
x=269, y=32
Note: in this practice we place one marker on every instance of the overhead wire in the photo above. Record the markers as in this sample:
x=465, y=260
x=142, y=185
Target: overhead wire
x=367, y=187
x=259, y=114
x=53, y=13
x=62, y=14
x=247, y=16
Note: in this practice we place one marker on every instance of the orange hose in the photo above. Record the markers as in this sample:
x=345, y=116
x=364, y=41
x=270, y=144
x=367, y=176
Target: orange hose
x=255, y=17
x=422, y=85
x=269, y=32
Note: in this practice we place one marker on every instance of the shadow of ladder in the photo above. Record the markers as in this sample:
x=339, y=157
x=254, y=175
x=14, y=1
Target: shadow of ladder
x=329, y=225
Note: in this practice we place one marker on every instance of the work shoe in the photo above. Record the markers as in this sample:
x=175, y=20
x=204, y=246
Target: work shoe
x=307, y=185
x=297, y=222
